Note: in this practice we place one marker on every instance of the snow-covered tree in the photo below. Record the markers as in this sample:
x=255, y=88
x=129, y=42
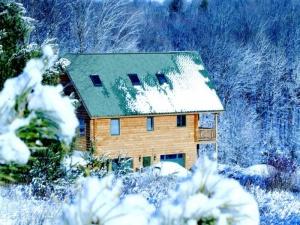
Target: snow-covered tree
x=32, y=124
x=15, y=28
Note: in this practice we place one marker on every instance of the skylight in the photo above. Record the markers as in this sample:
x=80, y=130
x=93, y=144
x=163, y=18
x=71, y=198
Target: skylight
x=161, y=78
x=134, y=79
x=96, y=80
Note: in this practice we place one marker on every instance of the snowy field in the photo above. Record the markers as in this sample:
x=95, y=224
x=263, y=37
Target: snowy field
x=19, y=205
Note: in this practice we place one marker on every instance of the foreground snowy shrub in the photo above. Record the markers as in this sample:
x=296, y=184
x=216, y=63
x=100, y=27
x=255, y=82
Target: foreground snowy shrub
x=99, y=203
x=277, y=207
x=208, y=198
x=24, y=101
x=203, y=198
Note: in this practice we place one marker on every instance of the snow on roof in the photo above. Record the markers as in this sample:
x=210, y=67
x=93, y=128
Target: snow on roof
x=188, y=87
x=189, y=92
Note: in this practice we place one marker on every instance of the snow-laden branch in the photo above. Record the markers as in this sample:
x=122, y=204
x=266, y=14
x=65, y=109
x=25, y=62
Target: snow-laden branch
x=22, y=100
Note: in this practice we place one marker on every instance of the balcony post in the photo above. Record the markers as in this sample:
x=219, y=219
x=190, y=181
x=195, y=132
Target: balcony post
x=216, y=133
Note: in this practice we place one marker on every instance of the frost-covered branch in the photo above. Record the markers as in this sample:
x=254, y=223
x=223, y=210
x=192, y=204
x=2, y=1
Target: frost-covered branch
x=23, y=100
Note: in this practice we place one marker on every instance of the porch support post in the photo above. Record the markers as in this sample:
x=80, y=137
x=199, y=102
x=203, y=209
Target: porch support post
x=216, y=133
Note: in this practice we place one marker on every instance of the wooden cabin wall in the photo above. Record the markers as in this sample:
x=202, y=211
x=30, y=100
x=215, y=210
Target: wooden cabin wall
x=135, y=141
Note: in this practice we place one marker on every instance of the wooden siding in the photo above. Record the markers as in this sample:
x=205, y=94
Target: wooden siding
x=135, y=141
x=82, y=142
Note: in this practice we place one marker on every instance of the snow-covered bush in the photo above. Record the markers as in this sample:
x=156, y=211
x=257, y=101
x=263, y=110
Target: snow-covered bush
x=85, y=164
x=33, y=115
x=150, y=184
x=277, y=207
x=285, y=171
x=99, y=203
x=203, y=198
x=208, y=198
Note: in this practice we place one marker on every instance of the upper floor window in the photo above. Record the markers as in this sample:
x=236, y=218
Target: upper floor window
x=81, y=126
x=115, y=126
x=96, y=80
x=150, y=123
x=181, y=120
x=134, y=79
x=161, y=78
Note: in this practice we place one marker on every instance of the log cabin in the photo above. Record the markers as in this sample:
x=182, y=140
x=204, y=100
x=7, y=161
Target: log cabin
x=143, y=106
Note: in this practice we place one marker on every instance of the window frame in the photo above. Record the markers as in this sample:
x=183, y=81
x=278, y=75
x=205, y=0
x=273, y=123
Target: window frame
x=180, y=122
x=151, y=123
x=119, y=127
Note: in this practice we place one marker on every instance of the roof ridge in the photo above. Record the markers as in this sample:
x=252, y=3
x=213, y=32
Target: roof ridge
x=129, y=53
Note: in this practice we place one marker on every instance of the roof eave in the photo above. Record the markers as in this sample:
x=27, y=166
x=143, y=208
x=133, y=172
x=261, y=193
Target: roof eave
x=156, y=114
x=82, y=102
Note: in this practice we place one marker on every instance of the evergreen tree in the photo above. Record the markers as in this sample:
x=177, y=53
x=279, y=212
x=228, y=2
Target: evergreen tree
x=15, y=49
x=40, y=135
x=15, y=29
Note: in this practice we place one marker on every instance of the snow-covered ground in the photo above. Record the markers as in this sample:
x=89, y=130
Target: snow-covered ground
x=18, y=205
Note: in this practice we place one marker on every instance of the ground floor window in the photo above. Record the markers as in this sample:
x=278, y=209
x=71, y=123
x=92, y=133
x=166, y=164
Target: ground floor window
x=177, y=158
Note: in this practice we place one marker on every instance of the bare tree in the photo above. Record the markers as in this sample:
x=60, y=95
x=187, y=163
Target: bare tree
x=81, y=13
x=116, y=26
x=47, y=13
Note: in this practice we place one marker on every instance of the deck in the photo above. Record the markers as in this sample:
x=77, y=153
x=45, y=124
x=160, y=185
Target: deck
x=206, y=135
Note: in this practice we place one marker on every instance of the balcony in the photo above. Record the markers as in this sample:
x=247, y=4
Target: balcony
x=206, y=134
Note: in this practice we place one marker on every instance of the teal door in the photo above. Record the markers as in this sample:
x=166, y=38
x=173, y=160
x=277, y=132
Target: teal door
x=146, y=161
x=176, y=158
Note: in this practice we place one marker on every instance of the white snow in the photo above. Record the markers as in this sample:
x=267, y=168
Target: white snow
x=49, y=100
x=76, y=159
x=38, y=98
x=209, y=195
x=13, y=149
x=170, y=168
x=190, y=92
x=262, y=170
x=100, y=201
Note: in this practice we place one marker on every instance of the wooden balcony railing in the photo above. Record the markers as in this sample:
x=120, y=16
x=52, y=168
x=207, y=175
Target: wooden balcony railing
x=205, y=134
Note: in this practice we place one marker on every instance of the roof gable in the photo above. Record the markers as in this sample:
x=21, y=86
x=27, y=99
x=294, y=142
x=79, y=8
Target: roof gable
x=188, y=88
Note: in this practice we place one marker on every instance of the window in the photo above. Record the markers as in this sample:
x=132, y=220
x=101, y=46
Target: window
x=150, y=123
x=115, y=127
x=161, y=78
x=171, y=156
x=134, y=79
x=181, y=121
x=176, y=158
x=96, y=80
x=81, y=127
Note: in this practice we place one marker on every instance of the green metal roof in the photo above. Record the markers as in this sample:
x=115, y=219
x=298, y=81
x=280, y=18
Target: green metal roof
x=113, y=69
